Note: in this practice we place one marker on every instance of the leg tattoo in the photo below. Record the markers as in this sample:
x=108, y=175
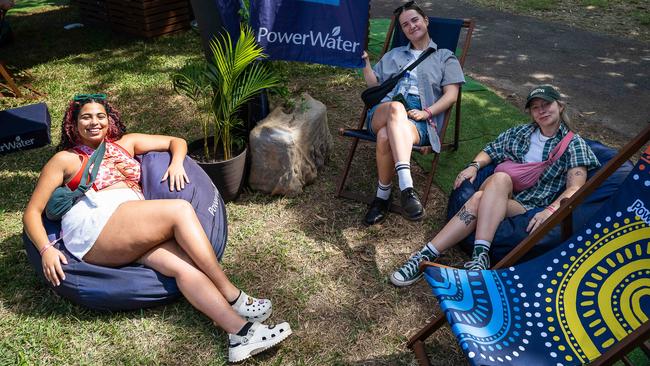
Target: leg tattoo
x=465, y=216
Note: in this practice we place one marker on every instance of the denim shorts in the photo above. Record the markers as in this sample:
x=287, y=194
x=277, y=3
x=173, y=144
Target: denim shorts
x=414, y=103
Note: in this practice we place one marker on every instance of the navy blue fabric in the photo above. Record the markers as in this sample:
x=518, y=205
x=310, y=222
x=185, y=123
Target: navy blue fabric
x=512, y=230
x=330, y=32
x=200, y=192
x=135, y=286
x=443, y=31
x=23, y=128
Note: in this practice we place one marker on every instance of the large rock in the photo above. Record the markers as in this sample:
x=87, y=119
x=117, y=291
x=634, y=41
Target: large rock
x=287, y=150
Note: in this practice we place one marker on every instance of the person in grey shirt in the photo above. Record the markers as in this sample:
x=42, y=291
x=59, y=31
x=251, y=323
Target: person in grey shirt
x=412, y=113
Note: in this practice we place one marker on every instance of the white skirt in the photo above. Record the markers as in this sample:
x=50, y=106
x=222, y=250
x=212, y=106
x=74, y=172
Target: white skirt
x=81, y=226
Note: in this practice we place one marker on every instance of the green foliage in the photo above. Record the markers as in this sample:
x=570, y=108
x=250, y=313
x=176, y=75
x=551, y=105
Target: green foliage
x=236, y=77
x=232, y=78
x=244, y=11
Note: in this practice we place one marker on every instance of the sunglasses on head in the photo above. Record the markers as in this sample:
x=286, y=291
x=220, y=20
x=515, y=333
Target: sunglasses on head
x=403, y=7
x=86, y=97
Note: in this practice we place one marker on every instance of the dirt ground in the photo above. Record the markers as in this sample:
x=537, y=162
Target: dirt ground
x=629, y=18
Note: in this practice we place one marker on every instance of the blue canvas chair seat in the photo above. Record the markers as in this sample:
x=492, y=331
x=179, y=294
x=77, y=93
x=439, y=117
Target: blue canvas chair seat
x=446, y=34
x=586, y=301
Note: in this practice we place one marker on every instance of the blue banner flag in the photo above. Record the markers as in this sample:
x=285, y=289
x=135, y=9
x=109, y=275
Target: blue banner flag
x=330, y=32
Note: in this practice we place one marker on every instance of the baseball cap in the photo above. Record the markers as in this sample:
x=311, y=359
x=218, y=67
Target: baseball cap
x=545, y=92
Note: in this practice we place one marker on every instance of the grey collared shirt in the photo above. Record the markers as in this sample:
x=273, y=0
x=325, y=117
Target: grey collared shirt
x=439, y=69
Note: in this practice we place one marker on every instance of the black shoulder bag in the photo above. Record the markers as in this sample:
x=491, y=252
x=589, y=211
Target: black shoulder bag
x=373, y=95
x=63, y=198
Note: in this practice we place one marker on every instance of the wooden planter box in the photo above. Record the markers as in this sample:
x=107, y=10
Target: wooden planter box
x=93, y=11
x=144, y=18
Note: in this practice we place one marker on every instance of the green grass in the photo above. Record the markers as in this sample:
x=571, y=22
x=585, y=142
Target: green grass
x=326, y=274
x=643, y=17
x=597, y=3
x=484, y=116
x=28, y=6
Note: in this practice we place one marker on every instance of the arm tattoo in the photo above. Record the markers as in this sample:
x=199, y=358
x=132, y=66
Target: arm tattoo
x=465, y=216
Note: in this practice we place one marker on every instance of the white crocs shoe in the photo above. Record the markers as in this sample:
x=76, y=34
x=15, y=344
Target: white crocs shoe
x=259, y=338
x=252, y=309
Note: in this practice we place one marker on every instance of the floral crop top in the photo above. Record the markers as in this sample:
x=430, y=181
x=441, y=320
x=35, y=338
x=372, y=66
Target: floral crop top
x=117, y=166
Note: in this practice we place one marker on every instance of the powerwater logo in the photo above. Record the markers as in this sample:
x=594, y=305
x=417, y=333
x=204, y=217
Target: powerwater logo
x=640, y=210
x=215, y=203
x=331, y=39
x=17, y=144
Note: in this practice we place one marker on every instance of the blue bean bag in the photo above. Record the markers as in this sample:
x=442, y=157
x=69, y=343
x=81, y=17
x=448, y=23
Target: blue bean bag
x=512, y=230
x=135, y=286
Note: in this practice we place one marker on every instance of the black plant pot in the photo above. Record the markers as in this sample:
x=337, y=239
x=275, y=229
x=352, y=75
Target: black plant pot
x=227, y=175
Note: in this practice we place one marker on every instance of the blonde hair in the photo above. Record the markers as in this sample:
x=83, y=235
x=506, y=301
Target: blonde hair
x=564, y=115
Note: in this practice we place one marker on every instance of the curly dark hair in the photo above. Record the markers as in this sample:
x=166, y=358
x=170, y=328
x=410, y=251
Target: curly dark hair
x=70, y=132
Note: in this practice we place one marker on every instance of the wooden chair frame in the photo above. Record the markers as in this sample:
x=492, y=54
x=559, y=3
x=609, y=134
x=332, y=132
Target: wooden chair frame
x=561, y=216
x=4, y=73
x=468, y=24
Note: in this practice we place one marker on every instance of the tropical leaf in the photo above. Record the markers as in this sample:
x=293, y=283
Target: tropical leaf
x=236, y=76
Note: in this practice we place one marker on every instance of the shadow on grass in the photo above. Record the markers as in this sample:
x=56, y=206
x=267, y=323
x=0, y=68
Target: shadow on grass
x=40, y=316
x=39, y=38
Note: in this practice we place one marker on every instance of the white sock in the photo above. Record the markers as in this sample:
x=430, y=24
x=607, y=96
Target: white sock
x=432, y=249
x=483, y=244
x=403, y=170
x=383, y=190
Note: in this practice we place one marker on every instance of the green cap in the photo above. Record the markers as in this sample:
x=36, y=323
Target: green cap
x=545, y=92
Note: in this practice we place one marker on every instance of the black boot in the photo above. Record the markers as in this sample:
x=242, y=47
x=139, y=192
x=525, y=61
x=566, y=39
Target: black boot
x=411, y=207
x=377, y=212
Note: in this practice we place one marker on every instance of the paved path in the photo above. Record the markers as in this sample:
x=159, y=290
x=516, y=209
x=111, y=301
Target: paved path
x=604, y=78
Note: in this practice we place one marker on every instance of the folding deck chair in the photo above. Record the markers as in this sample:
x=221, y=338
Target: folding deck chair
x=445, y=33
x=586, y=301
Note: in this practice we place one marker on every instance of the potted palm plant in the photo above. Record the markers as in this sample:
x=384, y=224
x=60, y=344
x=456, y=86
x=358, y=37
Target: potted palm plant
x=223, y=86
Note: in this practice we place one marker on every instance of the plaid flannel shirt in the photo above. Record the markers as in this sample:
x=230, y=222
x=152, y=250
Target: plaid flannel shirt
x=514, y=143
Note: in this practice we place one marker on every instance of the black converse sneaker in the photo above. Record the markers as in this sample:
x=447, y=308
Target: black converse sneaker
x=410, y=273
x=259, y=338
x=480, y=260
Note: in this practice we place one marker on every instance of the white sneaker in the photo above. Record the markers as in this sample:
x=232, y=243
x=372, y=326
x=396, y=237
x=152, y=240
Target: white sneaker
x=259, y=338
x=252, y=309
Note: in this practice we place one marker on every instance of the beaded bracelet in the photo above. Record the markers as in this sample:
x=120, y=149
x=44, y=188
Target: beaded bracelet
x=428, y=112
x=47, y=246
x=475, y=164
x=550, y=208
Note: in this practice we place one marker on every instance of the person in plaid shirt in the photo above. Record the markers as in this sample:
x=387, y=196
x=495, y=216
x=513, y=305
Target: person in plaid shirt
x=497, y=198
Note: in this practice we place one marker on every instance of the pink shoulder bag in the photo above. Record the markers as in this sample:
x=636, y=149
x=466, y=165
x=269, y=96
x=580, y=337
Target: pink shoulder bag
x=525, y=175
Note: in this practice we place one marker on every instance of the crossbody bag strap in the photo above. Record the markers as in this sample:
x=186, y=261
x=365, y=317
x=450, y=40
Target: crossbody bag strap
x=95, y=160
x=561, y=147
